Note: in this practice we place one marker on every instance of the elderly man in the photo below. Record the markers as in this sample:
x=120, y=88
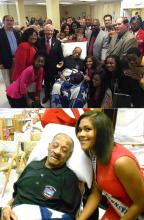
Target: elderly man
x=70, y=90
x=74, y=61
x=9, y=39
x=122, y=40
x=54, y=55
x=49, y=182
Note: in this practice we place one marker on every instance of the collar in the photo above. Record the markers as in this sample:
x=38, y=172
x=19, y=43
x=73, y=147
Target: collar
x=50, y=40
x=121, y=34
x=37, y=165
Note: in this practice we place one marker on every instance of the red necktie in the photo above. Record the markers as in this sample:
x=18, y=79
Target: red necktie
x=48, y=47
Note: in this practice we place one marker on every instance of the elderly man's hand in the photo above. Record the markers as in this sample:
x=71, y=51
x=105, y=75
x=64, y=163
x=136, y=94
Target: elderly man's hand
x=62, y=77
x=8, y=214
x=60, y=64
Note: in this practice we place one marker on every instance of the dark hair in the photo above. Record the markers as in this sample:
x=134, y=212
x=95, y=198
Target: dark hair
x=118, y=70
x=107, y=16
x=125, y=20
x=100, y=71
x=134, y=50
x=104, y=134
x=6, y=16
x=69, y=18
x=64, y=26
x=27, y=33
x=95, y=62
x=39, y=54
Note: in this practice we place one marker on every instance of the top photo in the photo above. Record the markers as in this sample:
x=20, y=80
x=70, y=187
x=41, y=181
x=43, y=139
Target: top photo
x=72, y=54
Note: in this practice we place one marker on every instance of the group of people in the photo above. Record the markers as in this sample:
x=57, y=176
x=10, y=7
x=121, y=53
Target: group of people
x=28, y=59
x=51, y=185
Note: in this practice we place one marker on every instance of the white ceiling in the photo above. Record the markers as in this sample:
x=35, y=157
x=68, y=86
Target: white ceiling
x=29, y=2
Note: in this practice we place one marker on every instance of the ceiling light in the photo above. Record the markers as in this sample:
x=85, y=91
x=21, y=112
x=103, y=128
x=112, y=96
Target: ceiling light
x=41, y=3
x=66, y=3
x=87, y=0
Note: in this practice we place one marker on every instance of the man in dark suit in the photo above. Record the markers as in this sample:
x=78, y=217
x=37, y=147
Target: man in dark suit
x=54, y=56
x=9, y=39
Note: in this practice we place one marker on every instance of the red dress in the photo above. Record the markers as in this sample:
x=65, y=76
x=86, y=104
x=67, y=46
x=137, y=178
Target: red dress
x=108, y=181
x=24, y=57
x=140, y=37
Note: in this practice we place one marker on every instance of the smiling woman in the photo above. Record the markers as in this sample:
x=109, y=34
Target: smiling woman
x=25, y=50
x=115, y=169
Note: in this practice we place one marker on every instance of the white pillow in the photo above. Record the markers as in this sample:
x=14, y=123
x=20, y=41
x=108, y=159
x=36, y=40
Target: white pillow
x=129, y=125
x=35, y=212
x=69, y=47
x=78, y=162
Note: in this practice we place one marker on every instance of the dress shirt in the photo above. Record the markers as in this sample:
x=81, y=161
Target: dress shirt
x=12, y=41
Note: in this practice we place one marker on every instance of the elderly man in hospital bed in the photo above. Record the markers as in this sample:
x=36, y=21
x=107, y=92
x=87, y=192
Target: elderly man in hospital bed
x=47, y=189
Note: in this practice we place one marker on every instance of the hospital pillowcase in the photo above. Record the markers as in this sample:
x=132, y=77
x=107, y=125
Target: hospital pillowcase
x=78, y=162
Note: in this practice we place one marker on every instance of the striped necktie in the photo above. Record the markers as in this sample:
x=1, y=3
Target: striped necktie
x=48, y=46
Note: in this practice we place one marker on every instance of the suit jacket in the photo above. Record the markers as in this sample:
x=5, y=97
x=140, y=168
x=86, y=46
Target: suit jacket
x=6, y=57
x=100, y=45
x=55, y=56
x=121, y=47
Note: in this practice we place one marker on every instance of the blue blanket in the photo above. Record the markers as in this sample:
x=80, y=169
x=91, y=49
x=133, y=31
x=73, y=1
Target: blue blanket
x=68, y=95
x=35, y=212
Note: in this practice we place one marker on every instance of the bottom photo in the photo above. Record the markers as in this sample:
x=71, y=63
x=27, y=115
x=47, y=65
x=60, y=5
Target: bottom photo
x=71, y=164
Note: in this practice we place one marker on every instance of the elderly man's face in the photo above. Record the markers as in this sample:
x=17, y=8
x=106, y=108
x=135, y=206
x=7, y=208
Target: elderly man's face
x=59, y=151
x=48, y=30
x=77, y=52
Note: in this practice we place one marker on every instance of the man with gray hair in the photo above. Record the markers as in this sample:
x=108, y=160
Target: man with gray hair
x=122, y=40
x=54, y=55
x=48, y=183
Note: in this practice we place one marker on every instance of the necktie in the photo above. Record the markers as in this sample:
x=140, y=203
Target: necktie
x=48, y=47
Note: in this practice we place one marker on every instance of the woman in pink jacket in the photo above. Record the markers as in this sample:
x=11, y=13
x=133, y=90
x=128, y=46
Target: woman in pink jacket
x=26, y=89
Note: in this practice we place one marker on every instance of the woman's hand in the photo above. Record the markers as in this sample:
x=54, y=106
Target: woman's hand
x=8, y=214
x=87, y=78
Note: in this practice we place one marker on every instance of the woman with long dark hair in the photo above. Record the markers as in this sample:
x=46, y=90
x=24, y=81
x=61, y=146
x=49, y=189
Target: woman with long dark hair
x=117, y=172
x=100, y=94
x=114, y=70
x=24, y=55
